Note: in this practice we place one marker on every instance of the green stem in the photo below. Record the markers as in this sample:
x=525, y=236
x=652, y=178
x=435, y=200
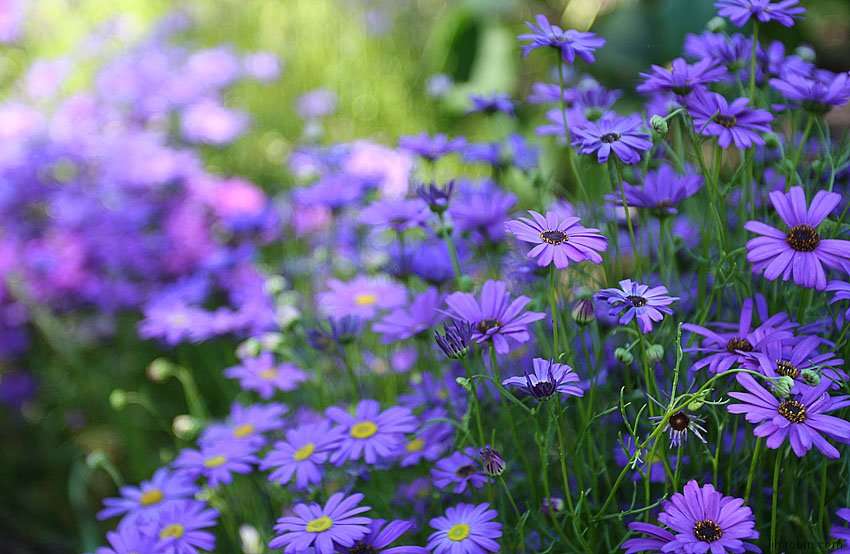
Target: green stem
x=753, y=62
x=752, y=472
x=774, y=500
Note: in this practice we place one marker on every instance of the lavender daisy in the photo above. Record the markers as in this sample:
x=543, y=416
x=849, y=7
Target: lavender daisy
x=381, y=536
x=403, y=323
x=817, y=92
x=656, y=540
x=458, y=471
x=218, y=461
x=482, y=209
x=247, y=423
x=682, y=78
x=636, y=301
x=740, y=12
x=181, y=528
x=361, y=297
x=800, y=360
x=547, y=379
x=800, y=252
x=558, y=240
x=324, y=528
x=465, y=529
x=431, y=148
x=430, y=441
x=733, y=123
x=569, y=43
x=264, y=376
x=622, y=135
x=369, y=433
x=301, y=455
x=129, y=538
x=495, y=318
x=662, y=191
x=165, y=486
x=802, y=419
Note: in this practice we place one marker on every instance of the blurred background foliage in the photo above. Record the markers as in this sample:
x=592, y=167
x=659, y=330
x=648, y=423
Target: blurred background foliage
x=377, y=56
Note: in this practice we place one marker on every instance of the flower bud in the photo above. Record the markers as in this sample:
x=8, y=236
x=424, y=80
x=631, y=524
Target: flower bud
x=811, y=377
x=584, y=311
x=185, y=427
x=771, y=140
x=249, y=348
x=782, y=386
x=806, y=53
x=624, y=356
x=716, y=24
x=118, y=399
x=494, y=464
x=553, y=504
x=465, y=283
x=274, y=285
x=251, y=541
x=659, y=126
x=159, y=370
x=465, y=383
x=655, y=353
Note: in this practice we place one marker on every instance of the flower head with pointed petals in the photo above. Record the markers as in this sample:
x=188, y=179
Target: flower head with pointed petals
x=570, y=43
x=558, y=240
x=324, y=528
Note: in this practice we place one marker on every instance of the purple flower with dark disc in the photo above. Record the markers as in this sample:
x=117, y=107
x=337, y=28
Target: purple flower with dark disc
x=799, y=252
x=465, y=529
x=218, y=461
x=730, y=51
x=740, y=12
x=569, y=43
x=817, y=92
x=129, y=538
x=801, y=419
x=403, y=323
x=682, y=78
x=458, y=471
x=301, y=455
x=733, y=123
x=369, y=433
x=841, y=533
x=662, y=191
x=558, y=240
x=381, y=536
x=491, y=104
x=482, y=209
x=265, y=376
x=547, y=379
x=622, y=135
x=639, y=302
x=431, y=148
x=324, y=528
x=800, y=360
x=361, y=297
x=398, y=214
x=165, y=486
x=495, y=318
x=699, y=519
x=247, y=423
x=842, y=293
x=180, y=528
x=729, y=344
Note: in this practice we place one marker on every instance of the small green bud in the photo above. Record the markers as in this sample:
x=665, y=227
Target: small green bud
x=185, y=427
x=274, y=285
x=811, y=377
x=623, y=356
x=593, y=114
x=159, y=370
x=95, y=459
x=659, y=126
x=806, y=53
x=771, y=140
x=250, y=348
x=465, y=383
x=655, y=353
x=716, y=24
x=465, y=283
x=782, y=386
x=118, y=399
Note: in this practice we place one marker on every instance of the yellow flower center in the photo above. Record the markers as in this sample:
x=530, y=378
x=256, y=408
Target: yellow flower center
x=319, y=524
x=175, y=530
x=268, y=374
x=363, y=430
x=415, y=445
x=365, y=299
x=153, y=496
x=304, y=452
x=215, y=461
x=243, y=430
x=458, y=532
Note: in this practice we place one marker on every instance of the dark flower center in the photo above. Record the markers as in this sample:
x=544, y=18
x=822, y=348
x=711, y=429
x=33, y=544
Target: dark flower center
x=637, y=301
x=792, y=410
x=738, y=343
x=543, y=389
x=727, y=121
x=816, y=107
x=682, y=90
x=487, y=324
x=707, y=531
x=679, y=421
x=554, y=237
x=362, y=548
x=787, y=369
x=465, y=471
x=803, y=238
x=610, y=137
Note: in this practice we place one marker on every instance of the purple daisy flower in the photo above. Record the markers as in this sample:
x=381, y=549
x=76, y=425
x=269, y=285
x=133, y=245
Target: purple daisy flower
x=218, y=461
x=398, y=214
x=431, y=148
x=636, y=301
x=430, y=441
x=817, y=92
x=546, y=379
x=465, y=529
x=403, y=323
x=129, y=538
x=741, y=11
x=180, y=528
x=622, y=135
x=730, y=51
x=842, y=293
x=301, y=455
x=482, y=209
x=663, y=189
x=264, y=376
x=841, y=533
x=361, y=297
x=381, y=536
x=494, y=103
x=458, y=471
x=570, y=43
x=682, y=78
x=730, y=344
x=793, y=358
x=700, y=519
x=247, y=423
x=495, y=318
x=733, y=123
x=558, y=240
x=165, y=486
x=337, y=524
x=800, y=252
x=370, y=433
x=801, y=418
